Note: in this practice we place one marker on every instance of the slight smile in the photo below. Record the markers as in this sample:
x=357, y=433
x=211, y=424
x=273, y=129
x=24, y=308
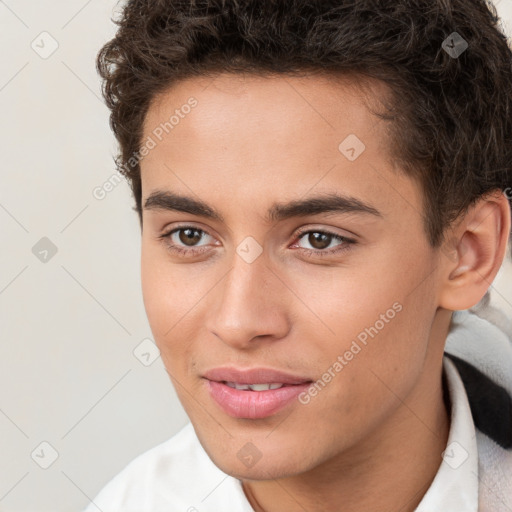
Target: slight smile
x=253, y=393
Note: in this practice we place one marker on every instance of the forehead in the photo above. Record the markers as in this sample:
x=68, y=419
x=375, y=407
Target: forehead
x=242, y=104
x=258, y=136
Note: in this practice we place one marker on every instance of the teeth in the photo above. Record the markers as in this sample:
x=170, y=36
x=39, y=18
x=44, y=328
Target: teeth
x=264, y=387
x=254, y=387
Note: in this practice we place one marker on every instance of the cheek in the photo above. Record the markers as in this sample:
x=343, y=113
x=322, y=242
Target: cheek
x=173, y=296
x=343, y=302
x=156, y=291
x=375, y=316
x=160, y=288
x=161, y=284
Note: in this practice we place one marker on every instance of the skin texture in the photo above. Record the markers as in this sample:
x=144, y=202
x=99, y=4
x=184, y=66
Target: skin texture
x=250, y=142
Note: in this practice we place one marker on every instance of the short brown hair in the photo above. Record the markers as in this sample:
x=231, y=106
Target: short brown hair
x=451, y=115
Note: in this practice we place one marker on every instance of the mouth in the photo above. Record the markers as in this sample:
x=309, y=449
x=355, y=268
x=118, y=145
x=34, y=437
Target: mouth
x=253, y=393
x=254, y=387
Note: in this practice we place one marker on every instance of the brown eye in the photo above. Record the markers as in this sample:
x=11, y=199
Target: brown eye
x=189, y=236
x=319, y=240
x=321, y=243
x=186, y=241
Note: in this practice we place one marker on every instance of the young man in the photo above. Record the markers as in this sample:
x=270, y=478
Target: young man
x=320, y=185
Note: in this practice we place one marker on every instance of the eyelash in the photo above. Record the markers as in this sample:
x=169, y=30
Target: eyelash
x=339, y=249
x=343, y=247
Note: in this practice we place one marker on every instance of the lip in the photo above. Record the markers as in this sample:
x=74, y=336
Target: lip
x=253, y=404
x=253, y=376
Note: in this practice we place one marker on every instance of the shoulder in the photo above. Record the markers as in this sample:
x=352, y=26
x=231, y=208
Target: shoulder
x=176, y=473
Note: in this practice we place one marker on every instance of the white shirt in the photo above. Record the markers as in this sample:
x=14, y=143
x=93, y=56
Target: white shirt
x=177, y=475
x=455, y=486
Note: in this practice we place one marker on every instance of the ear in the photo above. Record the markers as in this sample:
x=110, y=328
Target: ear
x=473, y=251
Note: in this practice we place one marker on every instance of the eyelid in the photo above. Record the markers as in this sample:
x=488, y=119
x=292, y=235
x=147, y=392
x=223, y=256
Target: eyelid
x=344, y=245
x=348, y=235
x=167, y=231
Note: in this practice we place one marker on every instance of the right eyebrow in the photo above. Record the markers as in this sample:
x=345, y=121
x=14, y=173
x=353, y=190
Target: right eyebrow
x=165, y=200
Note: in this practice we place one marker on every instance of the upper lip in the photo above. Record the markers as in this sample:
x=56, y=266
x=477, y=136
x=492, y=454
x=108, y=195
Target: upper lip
x=253, y=376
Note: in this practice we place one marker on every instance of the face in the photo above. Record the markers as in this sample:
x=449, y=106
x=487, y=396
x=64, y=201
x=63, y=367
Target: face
x=299, y=259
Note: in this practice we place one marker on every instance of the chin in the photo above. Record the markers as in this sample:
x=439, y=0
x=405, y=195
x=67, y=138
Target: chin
x=262, y=459
x=262, y=470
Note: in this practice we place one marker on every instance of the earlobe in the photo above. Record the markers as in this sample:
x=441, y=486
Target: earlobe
x=478, y=245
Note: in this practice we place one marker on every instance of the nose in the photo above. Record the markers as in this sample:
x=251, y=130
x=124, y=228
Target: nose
x=249, y=305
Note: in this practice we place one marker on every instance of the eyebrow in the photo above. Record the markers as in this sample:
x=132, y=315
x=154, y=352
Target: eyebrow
x=326, y=203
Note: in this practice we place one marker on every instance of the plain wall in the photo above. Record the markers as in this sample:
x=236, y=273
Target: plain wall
x=70, y=324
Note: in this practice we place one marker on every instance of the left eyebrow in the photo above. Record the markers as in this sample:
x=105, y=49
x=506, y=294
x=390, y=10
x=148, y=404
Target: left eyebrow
x=329, y=203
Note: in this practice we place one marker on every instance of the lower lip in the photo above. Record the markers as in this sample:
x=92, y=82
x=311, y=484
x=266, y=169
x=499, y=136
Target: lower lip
x=253, y=404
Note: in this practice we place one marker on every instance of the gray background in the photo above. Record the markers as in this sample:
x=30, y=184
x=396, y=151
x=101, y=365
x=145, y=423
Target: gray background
x=72, y=321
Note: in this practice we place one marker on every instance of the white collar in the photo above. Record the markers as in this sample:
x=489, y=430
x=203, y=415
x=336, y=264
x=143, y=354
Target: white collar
x=455, y=486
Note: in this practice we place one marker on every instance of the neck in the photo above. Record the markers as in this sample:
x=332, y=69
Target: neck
x=404, y=451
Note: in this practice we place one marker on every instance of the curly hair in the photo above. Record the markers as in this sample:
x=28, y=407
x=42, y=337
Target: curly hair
x=450, y=117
